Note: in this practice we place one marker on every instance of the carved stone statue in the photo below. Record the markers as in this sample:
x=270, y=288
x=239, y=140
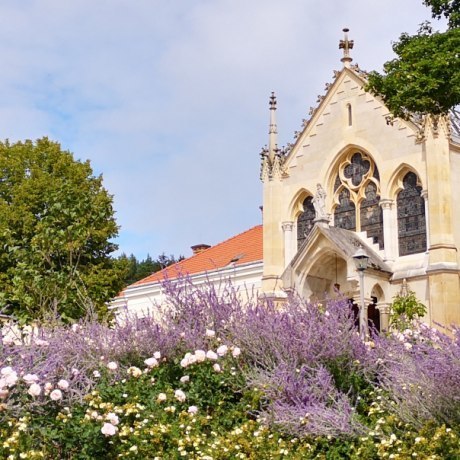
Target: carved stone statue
x=319, y=203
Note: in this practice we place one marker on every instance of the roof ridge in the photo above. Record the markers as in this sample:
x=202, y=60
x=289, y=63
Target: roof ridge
x=229, y=239
x=177, y=265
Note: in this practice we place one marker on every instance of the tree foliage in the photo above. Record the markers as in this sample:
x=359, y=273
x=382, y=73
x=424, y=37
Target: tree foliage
x=450, y=9
x=136, y=270
x=424, y=78
x=405, y=309
x=56, y=223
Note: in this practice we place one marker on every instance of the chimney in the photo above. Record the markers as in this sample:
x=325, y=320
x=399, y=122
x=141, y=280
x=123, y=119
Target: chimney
x=199, y=248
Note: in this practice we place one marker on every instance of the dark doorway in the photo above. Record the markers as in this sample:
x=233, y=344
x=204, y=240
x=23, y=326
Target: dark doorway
x=373, y=316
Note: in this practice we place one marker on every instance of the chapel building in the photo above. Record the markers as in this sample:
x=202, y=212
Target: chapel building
x=355, y=177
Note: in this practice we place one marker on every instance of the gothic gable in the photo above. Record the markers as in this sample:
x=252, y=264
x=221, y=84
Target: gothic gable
x=345, y=115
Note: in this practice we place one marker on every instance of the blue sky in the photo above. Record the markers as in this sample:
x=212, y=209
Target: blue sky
x=168, y=99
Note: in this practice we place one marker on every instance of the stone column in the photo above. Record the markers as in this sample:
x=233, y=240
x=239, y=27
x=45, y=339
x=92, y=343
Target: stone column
x=424, y=195
x=388, y=237
x=287, y=230
x=384, y=312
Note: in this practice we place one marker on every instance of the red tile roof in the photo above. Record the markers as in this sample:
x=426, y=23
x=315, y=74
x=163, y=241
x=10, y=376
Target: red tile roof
x=240, y=249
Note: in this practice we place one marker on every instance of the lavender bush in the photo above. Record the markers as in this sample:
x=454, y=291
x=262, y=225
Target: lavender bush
x=306, y=402
x=419, y=369
x=306, y=360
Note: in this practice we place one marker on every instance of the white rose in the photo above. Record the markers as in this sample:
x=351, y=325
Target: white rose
x=180, y=395
x=112, y=365
x=216, y=367
x=56, y=395
x=35, y=389
x=7, y=370
x=211, y=355
x=30, y=378
x=151, y=362
x=157, y=355
x=185, y=379
x=192, y=410
x=236, y=352
x=161, y=397
x=210, y=333
x=113, y=418
x=48, y=387
x=134, y=371
x=108, y=429
x=63, y=384
x=9, y=378
x=222, y=350
x=200, y=356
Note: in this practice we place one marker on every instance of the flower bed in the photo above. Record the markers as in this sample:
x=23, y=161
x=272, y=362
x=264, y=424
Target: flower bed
x=215, y=380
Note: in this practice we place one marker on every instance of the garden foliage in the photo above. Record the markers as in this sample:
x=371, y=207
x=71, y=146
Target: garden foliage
x=215, y=379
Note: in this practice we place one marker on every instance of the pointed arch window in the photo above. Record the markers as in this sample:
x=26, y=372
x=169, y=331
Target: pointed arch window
x=411, y=217
x=305, y=221
x=345, y=212
x=371, y=214
x=357, y=196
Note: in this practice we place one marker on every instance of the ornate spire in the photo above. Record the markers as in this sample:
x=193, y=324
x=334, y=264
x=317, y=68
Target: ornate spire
x=273, y=158
x=346, y=45
x=273, y=130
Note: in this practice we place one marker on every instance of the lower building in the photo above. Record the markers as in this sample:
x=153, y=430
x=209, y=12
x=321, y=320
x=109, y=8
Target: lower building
x=238, y=260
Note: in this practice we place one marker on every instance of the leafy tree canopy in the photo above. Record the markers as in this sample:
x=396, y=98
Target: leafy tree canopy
x=450, y=9
x=135, y=269
x=56, y=222
x=425, y=76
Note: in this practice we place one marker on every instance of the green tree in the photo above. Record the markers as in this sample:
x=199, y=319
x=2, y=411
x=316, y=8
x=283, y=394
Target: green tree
x=450, y=9
x=425, y=76
x=56, y=223
x=136, y=270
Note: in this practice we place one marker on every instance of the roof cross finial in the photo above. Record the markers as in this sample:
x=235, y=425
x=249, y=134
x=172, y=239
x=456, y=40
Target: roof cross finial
x=346, y=45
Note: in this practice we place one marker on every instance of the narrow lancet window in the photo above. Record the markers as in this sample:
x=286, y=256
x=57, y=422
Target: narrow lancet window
x=305, y=221
x=411, y=217
x=350, y=115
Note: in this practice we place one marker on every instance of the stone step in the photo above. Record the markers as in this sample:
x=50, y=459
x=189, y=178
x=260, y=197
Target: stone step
x=370, y=242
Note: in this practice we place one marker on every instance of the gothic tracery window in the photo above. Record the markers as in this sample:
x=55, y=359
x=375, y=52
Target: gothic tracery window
x=357, y=196
x=305, y=221
x=411, y=217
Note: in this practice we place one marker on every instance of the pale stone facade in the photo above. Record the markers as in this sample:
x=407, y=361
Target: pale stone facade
x=355, y=176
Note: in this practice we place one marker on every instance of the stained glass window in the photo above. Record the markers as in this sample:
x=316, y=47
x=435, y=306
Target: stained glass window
x=411, y=217
x=305, y=221
x=345, y=214
x=371, y=215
